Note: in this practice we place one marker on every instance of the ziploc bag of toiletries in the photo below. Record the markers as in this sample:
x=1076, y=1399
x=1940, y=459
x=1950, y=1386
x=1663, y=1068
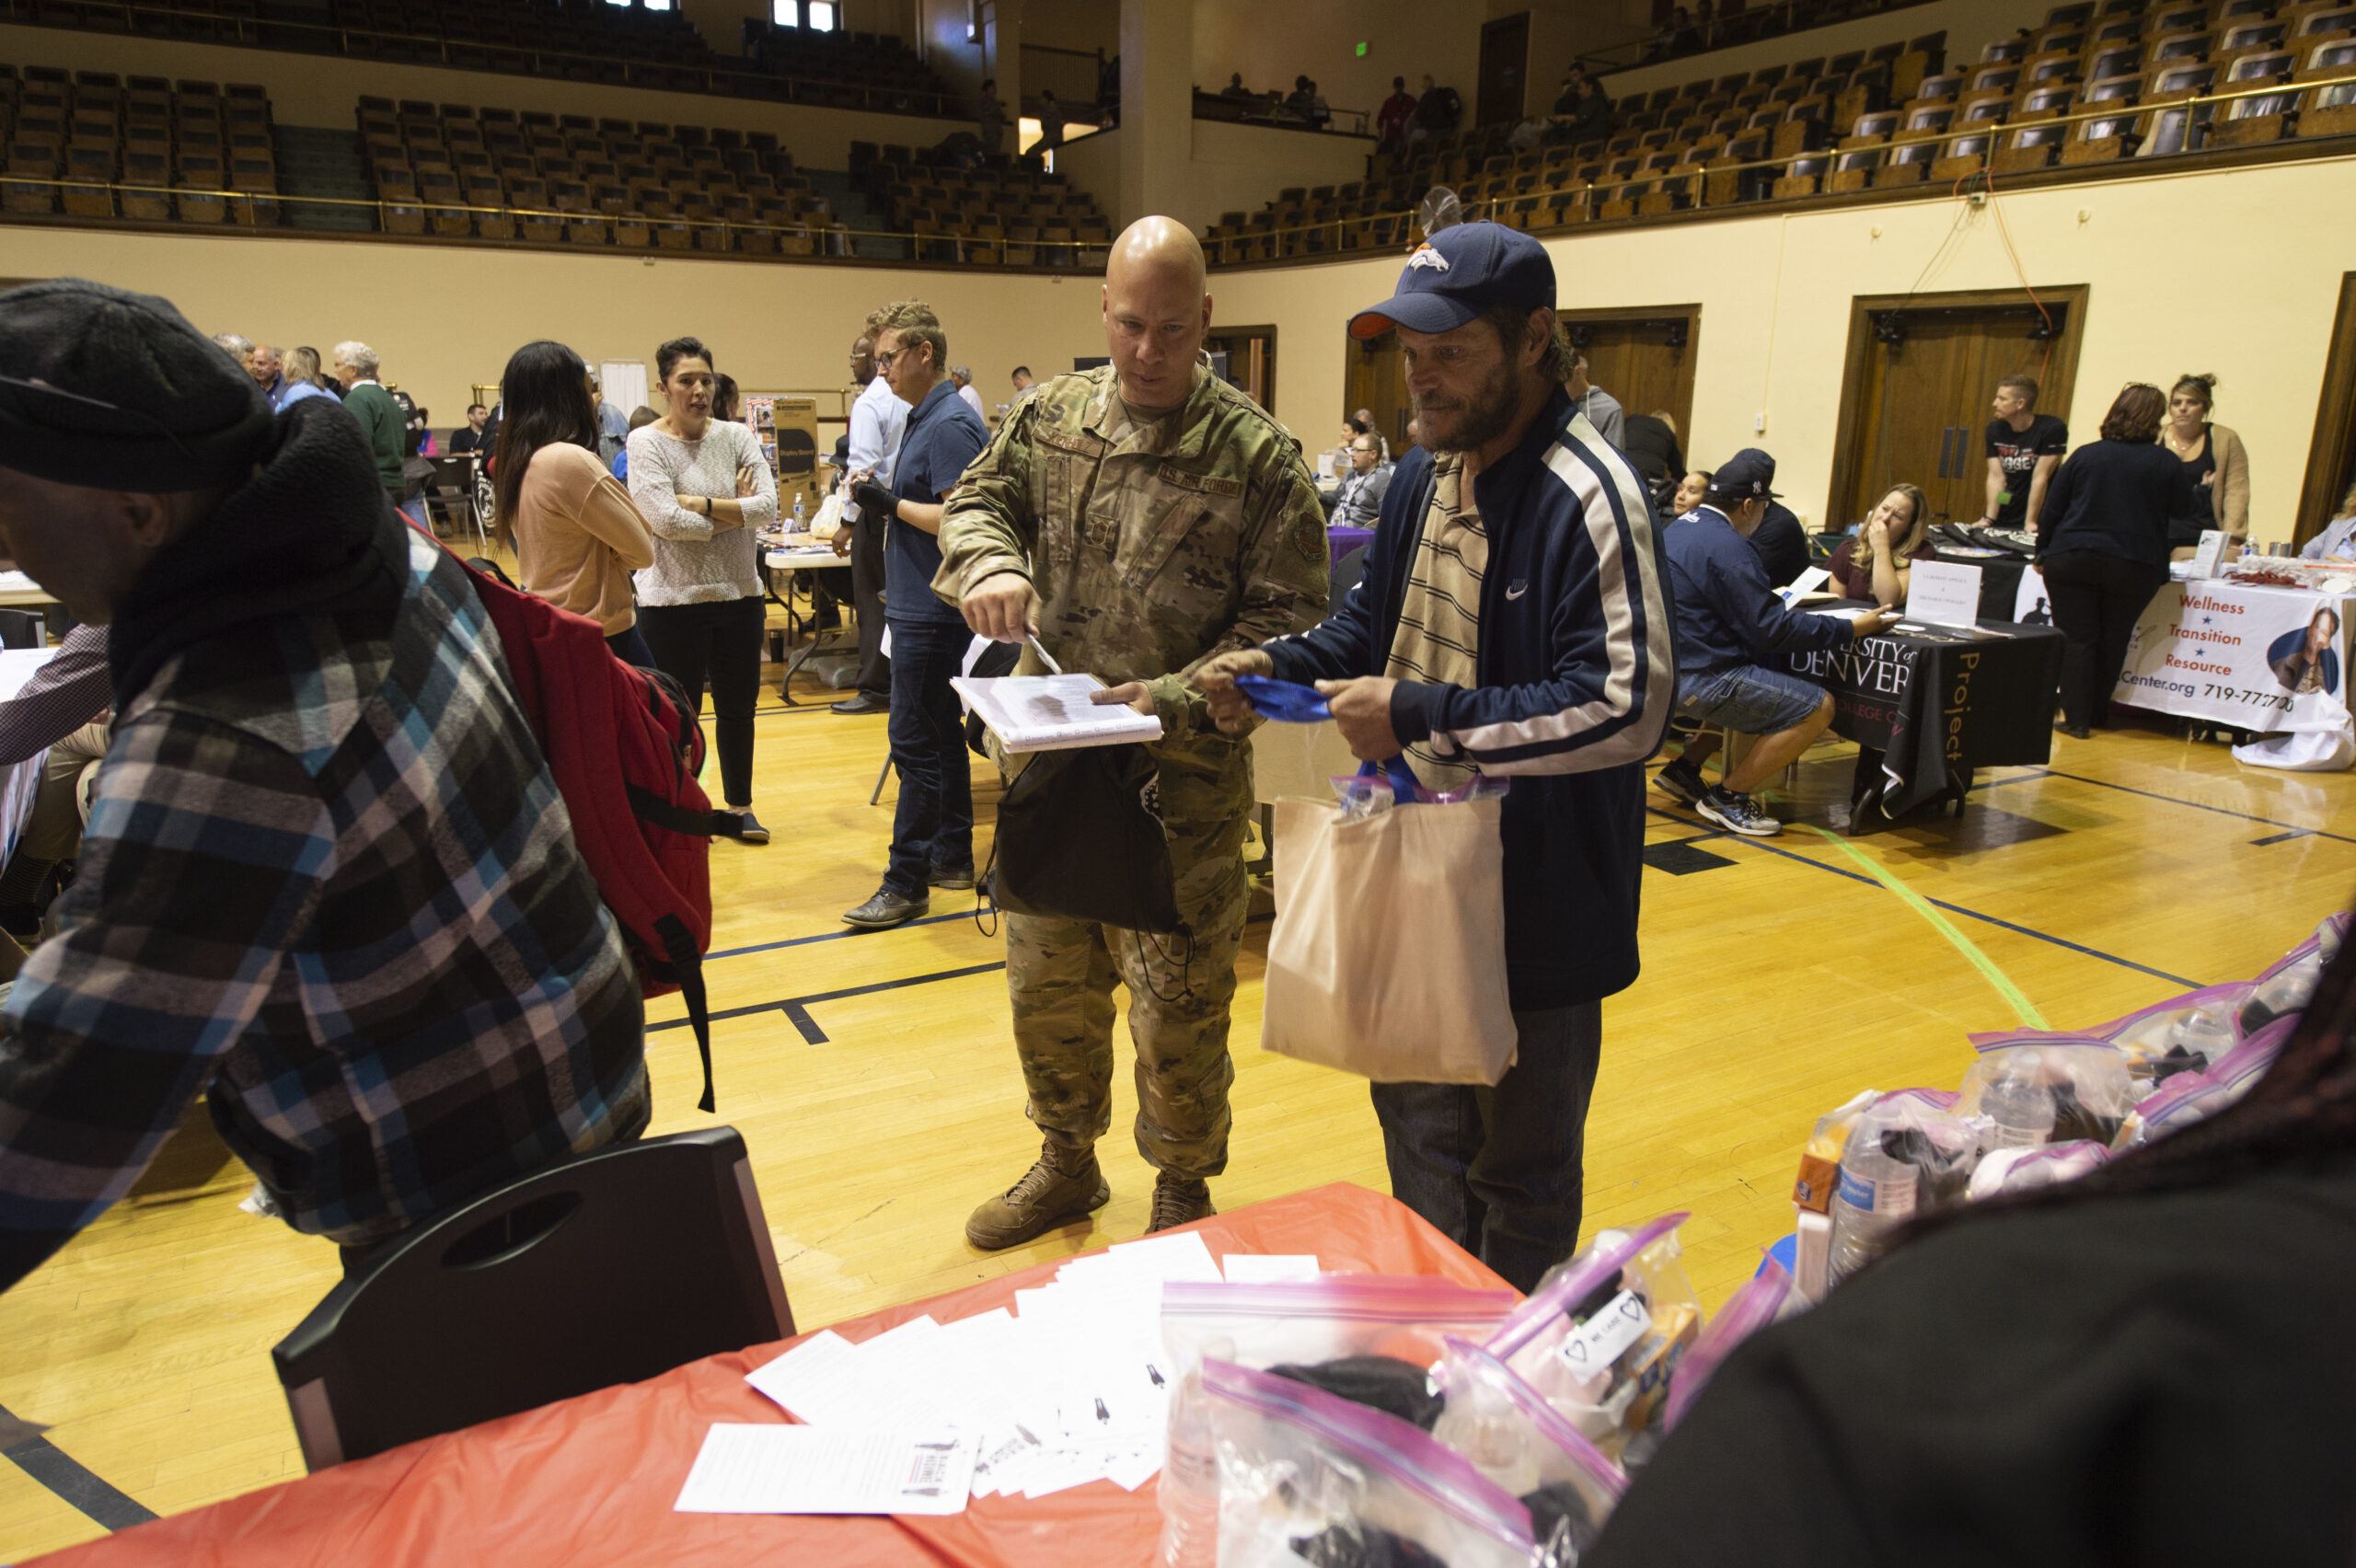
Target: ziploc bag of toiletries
x=1307, y=1477
x=1599, y=1336
x=1373, y=1338
x=2050, y=1090
x=1526, y=1445
x=1765, y=1297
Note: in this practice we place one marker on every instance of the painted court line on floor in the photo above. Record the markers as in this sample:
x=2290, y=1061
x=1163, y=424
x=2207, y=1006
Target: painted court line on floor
x=797, y=1008
x=2011, y=926
x=2171, y=799
x=2022, y=1006
x=64, y=1475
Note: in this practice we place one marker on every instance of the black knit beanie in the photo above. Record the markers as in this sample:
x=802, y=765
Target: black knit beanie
x=114, y=390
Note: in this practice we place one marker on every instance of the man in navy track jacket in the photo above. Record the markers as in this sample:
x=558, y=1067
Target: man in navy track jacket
x=1514, y=621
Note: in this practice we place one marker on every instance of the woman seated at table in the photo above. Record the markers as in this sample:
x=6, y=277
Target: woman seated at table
x=1876, y=561
x=2337, y=542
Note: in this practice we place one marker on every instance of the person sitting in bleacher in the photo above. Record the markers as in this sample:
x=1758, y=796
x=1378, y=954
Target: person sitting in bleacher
x=1730, y=628
x=326, y=882
x=1875, y=561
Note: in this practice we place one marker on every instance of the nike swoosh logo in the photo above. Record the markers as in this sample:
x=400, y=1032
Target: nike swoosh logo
x=1515, y=593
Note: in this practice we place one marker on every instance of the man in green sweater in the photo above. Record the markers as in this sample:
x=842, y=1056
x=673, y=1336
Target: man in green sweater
x=365, y=399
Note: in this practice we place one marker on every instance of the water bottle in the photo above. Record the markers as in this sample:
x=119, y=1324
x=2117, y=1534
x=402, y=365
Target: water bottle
x=799, y=526
x=1874, y=1194
x=1190, y=1481
x=2019, y=1109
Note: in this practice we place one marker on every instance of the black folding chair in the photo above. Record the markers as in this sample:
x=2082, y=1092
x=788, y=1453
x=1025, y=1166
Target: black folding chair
x=22, y=628
x=609, y=1268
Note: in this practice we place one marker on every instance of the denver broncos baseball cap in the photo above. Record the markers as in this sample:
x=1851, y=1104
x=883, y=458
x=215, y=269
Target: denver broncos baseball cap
x=1457, y=274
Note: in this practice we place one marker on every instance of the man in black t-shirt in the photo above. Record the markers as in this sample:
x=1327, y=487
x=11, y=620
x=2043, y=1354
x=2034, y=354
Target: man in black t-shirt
x=2024, y=448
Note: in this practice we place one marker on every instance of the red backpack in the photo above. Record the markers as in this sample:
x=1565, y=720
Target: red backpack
x=624, y=749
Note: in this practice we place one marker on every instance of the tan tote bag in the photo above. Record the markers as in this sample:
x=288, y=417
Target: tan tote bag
x=1387, y=959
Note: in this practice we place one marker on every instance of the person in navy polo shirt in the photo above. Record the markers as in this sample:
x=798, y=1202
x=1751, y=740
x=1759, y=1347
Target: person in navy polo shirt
x=1730, y=625
x=932, y=831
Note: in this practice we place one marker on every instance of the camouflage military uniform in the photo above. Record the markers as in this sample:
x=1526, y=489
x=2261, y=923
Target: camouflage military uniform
x=1153, y=545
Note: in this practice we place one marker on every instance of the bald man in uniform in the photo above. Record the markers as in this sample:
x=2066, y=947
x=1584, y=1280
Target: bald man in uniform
x=1139, y=519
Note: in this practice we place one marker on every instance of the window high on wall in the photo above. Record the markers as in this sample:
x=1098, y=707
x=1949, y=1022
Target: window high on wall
x=818, y=16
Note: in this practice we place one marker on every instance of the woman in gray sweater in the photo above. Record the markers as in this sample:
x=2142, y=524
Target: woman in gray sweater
x=703, y=488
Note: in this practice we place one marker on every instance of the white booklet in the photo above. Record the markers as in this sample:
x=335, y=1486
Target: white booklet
x=1030, y=713
x=746, y=1468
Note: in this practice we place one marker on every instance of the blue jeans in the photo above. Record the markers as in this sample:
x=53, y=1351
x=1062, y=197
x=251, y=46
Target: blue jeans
x=934, y=822
x=1500, y=1171
x=631, y=648
x=1748, y=699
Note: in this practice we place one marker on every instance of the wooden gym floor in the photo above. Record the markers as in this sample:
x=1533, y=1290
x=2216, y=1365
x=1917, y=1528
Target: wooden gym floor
x=874, y=1077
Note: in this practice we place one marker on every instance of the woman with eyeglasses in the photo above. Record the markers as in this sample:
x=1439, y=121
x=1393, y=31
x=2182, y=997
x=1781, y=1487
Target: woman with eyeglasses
x=704, y=489
x=576, y=534
x=2102, y=542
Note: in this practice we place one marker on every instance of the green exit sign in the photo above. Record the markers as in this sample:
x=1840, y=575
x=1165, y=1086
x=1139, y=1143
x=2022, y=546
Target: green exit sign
x=1361, y=51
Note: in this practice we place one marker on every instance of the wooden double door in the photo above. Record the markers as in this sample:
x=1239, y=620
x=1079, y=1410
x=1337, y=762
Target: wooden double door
x=1644, y=358
x=1922, y=376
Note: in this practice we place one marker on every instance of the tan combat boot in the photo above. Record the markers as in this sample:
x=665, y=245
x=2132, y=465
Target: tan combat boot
x=1178, y=1202
x=1063, y=1186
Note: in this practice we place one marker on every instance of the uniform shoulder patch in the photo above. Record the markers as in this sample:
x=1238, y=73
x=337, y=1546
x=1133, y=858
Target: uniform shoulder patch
x=1308, y=536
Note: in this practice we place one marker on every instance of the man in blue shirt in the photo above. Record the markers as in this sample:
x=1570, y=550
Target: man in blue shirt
x=932, y=831
x=1729, y=622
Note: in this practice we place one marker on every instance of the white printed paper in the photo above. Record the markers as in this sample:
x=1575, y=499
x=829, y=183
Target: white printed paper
x=1605, y=1337
x=1030, y=713
x=1808, y=582
x=746, y=1469
x=1942, y=593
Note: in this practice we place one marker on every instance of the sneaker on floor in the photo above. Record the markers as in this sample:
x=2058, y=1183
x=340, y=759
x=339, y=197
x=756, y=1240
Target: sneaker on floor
x=1063, y=1186
x=1737, y=813
x=885, y=910
x=2075, y=732
x=749, y=827
x=1177, y=1202
x=1682, y=780
x=954, y=879
x=862, y=703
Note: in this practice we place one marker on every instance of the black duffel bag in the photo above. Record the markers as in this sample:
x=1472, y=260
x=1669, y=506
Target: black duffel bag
x=1079, y=838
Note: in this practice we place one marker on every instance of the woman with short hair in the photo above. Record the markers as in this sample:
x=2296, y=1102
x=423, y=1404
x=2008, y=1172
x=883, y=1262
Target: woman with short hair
x=702, y=485
x=2102, y=542
x=1875, y=561
x=576, y=534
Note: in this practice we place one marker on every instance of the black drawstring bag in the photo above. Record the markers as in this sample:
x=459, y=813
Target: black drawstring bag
x=1079, y=838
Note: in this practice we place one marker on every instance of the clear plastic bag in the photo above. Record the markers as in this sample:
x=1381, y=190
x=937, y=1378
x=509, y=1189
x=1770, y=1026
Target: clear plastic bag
x=2052, y=1090
x=1602, y=1333
x=1307, y=1477
x=1907, y=1153
x=1518, y=1440
x=1765, y=1297
x=2018, y=1170
x=2187, y=1033
x=2289, y=983
x=2192, y=1098
x=1304, y=1322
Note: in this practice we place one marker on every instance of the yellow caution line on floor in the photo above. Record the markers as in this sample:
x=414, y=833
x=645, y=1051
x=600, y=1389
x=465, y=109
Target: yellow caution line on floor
x=2022, y=1006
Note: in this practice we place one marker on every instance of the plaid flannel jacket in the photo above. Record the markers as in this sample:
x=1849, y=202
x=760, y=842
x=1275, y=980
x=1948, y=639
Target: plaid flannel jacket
x=331, y=877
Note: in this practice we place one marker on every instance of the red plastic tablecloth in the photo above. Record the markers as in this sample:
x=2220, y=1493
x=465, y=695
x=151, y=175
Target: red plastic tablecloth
x=590, y=1481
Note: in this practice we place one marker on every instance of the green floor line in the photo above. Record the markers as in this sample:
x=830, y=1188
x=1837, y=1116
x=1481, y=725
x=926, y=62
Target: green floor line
x=2022, y=1006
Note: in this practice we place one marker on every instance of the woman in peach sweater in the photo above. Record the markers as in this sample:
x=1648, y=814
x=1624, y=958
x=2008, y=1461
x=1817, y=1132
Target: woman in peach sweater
x=576, y=534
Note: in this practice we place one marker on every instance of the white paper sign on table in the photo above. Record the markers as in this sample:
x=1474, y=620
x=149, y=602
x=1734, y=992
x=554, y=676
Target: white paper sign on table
x=746, y=1468
x=1943, y=593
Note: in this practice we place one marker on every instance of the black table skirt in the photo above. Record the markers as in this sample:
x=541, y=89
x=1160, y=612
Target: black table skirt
x=1927, y=710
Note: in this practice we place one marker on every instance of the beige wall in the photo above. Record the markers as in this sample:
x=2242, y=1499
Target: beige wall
x=445, y=318
x=1969, y=24
x=325, y=90
x=1234, y=167
x=1775, y=292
